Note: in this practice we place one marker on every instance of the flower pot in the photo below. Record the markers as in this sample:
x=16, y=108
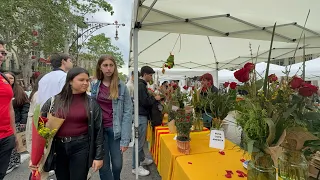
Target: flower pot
x=183, y=146
x=293, y=165
x=261, y=167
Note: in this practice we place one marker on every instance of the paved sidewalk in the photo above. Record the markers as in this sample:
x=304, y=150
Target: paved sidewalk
x=22, y=172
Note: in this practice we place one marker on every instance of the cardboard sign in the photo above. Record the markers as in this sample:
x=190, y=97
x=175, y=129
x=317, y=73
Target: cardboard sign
x=217, y=139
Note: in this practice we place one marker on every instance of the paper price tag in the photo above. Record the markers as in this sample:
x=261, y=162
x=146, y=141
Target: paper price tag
x=217, y=139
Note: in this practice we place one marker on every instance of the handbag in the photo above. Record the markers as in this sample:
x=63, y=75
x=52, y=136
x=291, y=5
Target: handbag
x=50, y=163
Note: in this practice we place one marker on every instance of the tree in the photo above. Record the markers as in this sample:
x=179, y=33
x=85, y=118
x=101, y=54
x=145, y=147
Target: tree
x=100, y=44
x=35, y=28
x=122, y=77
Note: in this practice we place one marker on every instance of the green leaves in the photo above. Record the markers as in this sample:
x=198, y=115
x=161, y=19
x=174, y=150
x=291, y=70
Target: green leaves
x=101, y=44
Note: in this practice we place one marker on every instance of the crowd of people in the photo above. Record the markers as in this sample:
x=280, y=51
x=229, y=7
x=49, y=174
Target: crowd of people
x=98, y=115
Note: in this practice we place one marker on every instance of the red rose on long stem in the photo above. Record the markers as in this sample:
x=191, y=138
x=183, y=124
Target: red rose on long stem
x=185, y=87
x=226, y=84
x=308, y=90
x=296, y=82
x=272, y=78
x=249, y=66
x=233, y=85
x=242, y=75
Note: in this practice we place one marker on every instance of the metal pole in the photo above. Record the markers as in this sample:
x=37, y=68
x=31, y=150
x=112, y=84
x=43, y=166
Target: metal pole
x=216, y=75
x=136, y=97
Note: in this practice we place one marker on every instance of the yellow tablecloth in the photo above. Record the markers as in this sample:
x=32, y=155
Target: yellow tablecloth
x=169, y=152
x=208, y=166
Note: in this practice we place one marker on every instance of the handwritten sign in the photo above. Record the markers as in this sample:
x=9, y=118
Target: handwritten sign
x=217, y=139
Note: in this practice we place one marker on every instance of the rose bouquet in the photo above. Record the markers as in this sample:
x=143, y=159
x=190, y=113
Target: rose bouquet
x=267, y=113
x=43, y=131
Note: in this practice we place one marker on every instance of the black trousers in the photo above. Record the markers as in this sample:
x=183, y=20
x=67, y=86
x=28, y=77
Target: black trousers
x=72, y=159
x=6, y=146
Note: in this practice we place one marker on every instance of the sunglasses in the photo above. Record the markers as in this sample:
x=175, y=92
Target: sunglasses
x=3, y=53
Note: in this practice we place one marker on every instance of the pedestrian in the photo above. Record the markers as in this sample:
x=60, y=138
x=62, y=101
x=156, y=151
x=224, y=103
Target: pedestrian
x=116, y=104
x=7, y=123
x=146, y=102
x=21, y=106
x=79, y=141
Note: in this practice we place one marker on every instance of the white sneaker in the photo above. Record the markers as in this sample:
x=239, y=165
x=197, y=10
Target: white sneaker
x=141, y=171
x=146, y=162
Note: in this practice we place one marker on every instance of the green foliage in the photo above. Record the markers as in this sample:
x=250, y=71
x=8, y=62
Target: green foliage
x=101, y=44
x=219, y=105
x=183, y=122
x=122, y=77
x=36, y=115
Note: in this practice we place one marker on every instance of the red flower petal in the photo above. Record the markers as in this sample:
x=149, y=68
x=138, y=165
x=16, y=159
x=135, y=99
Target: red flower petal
x=189, y=162
x=242, y=160
x=221, y=152
x=228, y=176
x=229, y=172
x=240, y=175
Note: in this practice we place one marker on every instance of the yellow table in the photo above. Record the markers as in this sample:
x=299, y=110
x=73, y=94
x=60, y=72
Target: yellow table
x=208, y=166
x=169, y=152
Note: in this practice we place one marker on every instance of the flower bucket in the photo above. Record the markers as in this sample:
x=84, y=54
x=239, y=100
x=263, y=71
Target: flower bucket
x=183, y=146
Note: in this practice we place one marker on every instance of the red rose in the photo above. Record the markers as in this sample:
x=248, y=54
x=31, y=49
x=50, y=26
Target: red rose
x=272, y=78
x=296, y=82
x=185, y=87
x=192, y=87
x=242, y=75
x=249, y=66
x=226, y=84
x=33, y=57
x=233, y=85
x=308, y=90
x=35, y=33
x=43, y=119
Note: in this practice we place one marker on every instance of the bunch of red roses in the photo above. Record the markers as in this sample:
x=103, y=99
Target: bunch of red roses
x=243, y=74
x=304, y=89
x=232, y=85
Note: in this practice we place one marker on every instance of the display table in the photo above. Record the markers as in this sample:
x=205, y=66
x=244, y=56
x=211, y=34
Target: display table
x=153, y=137
x=208, y=166
x=199, y=145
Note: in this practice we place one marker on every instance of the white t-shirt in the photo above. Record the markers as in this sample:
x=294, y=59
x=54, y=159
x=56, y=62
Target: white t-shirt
x=50, y=85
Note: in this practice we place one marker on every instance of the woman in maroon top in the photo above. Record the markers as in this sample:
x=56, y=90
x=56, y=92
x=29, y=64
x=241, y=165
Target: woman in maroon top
x=116, y=104
x=79, y=141
x=7, y=122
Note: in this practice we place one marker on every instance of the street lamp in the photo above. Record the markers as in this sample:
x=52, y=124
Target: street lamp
x=93, y=26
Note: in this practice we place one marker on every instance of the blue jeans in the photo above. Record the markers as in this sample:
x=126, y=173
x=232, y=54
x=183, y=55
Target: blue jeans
x=143, y=123
x=113, y=154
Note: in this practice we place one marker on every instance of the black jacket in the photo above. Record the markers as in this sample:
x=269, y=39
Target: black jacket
x=95, y=130
x=145, y=100
x=21, y=113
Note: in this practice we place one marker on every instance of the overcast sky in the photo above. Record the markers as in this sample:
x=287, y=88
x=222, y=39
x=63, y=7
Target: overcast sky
x=122, y=14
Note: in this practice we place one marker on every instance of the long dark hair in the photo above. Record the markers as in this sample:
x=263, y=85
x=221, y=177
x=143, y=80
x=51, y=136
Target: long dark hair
x=20, y=97
x=64, y=98
x=35, y=86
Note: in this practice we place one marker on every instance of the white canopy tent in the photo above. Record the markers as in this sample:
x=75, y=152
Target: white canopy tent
x=312, y=69
x=191, y=29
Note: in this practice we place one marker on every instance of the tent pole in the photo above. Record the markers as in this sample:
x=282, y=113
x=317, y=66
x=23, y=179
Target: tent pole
x=216, y=75
x=136, y=104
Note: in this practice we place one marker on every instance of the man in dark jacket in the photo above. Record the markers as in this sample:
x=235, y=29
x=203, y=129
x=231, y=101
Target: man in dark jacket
x=146, y=102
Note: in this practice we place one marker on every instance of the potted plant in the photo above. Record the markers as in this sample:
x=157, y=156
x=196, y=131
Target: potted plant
x=197, y=106
x=183, y=123
x=218, y=105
